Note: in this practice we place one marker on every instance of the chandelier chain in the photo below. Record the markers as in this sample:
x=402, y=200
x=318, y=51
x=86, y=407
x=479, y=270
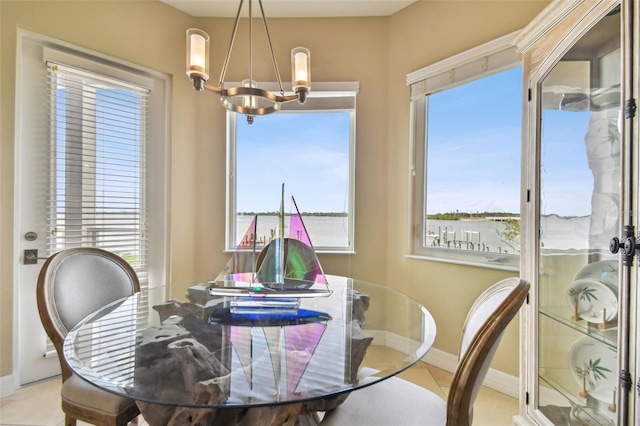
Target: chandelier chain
x=223, y=72
x=273, y=58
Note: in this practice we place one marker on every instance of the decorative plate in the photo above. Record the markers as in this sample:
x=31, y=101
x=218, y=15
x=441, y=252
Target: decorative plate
x=604, y=270
x=593, y=365
x=593, y=298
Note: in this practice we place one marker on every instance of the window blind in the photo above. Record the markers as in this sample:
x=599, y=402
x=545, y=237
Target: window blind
x=486, y=59
x=98, y=133
x=336, y=102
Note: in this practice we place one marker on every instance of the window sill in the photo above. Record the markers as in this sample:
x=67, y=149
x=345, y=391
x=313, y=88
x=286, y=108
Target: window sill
x=478, y=264
x=318, y=251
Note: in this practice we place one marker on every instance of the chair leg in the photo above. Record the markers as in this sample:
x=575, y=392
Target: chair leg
x=69, y=421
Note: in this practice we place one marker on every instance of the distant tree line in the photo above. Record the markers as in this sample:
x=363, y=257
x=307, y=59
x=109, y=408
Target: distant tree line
x=466, y=215
x=275, y=213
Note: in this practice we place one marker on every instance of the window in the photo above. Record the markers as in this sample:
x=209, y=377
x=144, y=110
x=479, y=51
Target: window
x=98, y=147
x=466, y=140
x=100, y=143
x=310, y=149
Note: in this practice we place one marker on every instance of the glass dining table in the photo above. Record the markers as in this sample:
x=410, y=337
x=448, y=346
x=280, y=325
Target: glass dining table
x=212, y=360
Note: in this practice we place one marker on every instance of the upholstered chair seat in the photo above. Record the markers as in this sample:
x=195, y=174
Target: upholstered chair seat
x=79, y=394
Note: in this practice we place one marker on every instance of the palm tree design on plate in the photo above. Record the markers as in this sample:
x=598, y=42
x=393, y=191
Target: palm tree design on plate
x=585, y=293
x=590, y=374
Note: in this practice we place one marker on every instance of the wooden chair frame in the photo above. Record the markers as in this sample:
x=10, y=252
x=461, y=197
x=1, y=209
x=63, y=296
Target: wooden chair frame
x=467, y=374
x=56, y=331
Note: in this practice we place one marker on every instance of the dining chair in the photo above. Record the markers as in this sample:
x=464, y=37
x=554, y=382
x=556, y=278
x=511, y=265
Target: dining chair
x=397, y=401
x=72, y=284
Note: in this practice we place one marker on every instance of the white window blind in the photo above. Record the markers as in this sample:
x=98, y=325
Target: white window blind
x=97, y=165
x=486, y=59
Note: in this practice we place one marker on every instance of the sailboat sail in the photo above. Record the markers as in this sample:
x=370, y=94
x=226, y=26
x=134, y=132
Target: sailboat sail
x=285, y=267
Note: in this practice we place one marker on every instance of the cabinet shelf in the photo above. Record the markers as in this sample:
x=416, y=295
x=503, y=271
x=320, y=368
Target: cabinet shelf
x=562, y=315
x=562, y=382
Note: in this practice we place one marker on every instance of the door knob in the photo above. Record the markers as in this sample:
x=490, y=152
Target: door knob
x=629, y=245
x=31, y=257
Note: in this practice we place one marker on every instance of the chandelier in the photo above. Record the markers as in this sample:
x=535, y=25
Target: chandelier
x=247, y=98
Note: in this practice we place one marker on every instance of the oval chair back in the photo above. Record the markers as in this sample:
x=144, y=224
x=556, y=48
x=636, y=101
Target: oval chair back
x=398, y=401
x=75, y=282
x=486, y=321
x=72, y=284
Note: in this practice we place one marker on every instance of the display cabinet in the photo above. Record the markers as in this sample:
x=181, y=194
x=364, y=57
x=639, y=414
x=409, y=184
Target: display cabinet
x=579, y=214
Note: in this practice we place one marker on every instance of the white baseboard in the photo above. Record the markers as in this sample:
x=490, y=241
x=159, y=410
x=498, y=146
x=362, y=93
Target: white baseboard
x=7, y=386
x=496, y=380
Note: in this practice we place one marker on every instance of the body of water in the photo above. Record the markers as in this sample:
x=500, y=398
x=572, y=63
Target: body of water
x=324, y=231
x=475, y=235
x=557, y=233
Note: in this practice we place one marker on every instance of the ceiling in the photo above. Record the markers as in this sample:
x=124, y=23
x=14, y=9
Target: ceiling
x=291, y=8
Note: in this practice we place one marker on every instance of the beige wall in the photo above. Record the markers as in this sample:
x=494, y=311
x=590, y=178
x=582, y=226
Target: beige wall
x=420, y=35
x=377, y=52
x=139, y=32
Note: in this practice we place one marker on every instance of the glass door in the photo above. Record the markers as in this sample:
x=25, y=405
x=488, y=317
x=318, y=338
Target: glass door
x=579, y=212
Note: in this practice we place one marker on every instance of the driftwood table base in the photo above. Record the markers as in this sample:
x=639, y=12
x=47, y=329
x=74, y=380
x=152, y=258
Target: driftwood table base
x=286, y=415
x=195, y=363
x=191, y=360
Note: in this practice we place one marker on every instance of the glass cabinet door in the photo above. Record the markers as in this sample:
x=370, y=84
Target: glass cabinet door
x=579, y=213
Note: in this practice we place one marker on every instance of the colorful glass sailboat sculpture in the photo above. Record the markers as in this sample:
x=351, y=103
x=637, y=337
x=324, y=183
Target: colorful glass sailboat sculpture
x=287, y=267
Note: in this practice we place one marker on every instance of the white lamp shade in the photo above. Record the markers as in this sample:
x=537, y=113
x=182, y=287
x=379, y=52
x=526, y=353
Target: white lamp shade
x=301, y=68
x=197, y=53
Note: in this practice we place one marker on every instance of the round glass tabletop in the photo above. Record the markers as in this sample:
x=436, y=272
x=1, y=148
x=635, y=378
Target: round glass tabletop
x=228, y=352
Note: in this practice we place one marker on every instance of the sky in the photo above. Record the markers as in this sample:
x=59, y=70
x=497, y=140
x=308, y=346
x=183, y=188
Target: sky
x=309, y=153
x=473, y=164
x=473, y=131
x=114, y=154
x=474, y=158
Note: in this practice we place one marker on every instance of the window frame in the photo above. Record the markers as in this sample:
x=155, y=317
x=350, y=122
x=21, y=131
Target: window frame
x=476, y=63
x=346, y=90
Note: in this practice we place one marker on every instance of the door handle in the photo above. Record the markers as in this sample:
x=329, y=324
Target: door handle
x=30, y=257
x=628, y=245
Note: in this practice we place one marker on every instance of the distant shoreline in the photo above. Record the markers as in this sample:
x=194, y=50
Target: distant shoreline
x=319, y=214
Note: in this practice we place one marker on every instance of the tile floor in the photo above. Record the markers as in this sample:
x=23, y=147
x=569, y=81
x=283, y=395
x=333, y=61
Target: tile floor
x=38, y=404
x=492, y=408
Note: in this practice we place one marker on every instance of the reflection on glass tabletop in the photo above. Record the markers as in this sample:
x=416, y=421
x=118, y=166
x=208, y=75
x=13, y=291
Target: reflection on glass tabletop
x=202, y=352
